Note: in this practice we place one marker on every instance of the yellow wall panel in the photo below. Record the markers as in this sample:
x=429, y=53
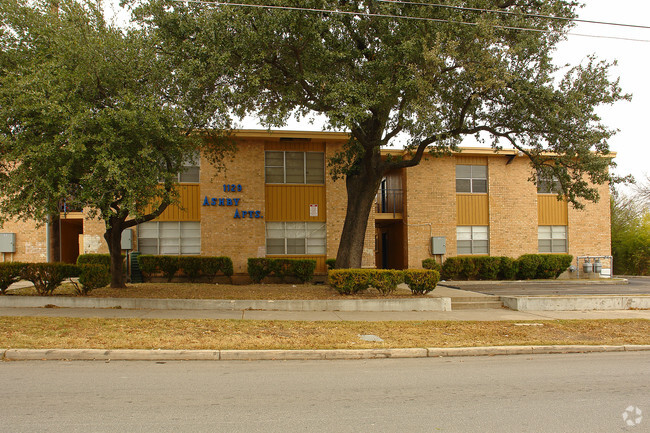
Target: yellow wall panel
x=321, y=266
x=471, y=160
x=190, y=205
x=291, y=202
x=296, y=146
x=472, y=210
x=550, y=211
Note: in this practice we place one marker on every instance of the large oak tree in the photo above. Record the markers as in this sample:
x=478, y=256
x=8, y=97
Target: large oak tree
x=378, y=69
x=90, y=117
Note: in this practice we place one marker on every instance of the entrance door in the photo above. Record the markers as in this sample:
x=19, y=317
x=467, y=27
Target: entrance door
x=70, y=231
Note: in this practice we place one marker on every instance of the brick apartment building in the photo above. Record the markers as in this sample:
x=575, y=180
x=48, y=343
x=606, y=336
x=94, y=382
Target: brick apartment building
x=275, y=199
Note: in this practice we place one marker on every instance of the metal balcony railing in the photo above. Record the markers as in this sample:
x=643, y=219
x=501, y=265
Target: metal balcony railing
x=389, y=201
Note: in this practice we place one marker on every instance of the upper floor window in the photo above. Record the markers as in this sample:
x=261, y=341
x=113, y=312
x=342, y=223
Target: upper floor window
x=548, y=184
x=295, y=167
x=471, y=178
x=191, y=169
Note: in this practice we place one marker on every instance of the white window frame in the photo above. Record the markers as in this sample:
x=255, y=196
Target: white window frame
x=476, y=236
x=548, y=185
x=472, y=178
x=284, y=167
x=185, y=245
x=284, y=233
x=554, y=234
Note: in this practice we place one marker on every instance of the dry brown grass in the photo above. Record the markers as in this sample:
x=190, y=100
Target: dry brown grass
x=41, y=332
x=220, y=291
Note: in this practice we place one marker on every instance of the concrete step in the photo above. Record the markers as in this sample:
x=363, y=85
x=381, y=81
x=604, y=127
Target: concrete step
x=479, y=304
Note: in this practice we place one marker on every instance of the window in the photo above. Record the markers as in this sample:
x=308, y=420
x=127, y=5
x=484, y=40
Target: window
x=191, y=169
x=295, y=238
x=295, y=167
x=472, y=240
x=169, y=237
x=548, y=184
x=552, y=239
x=471, y=178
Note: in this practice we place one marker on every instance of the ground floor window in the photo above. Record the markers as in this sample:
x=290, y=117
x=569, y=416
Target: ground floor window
x=472, y=240
x=552, y=239
x=295, y=238
x=169, y=237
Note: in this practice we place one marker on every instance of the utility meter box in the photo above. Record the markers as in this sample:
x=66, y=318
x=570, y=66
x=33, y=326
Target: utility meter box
x=438, y=245
x=127, y=239
x=7, y=242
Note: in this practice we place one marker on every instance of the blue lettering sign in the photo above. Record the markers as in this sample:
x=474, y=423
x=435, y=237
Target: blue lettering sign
x=236, y=214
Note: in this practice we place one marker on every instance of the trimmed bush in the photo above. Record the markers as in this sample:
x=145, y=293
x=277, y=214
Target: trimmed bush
x=508, y=268
x=9, y=273
x=349, y=281
x=527, y=266
x=91, y=277
x=148, y=265
x=48, y=276
x=168, y=265
x=431, y=264
x=331, y=264
x=94, y=259
x=191, y=266
x=211, y=266
x=421, y=281
x=385, y=280
x=552, y=265
x=487, y=267
x=260, y=268
x=451, y=268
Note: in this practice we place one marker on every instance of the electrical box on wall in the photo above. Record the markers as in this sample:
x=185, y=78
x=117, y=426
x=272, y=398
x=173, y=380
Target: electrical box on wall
x=7, y=242
x=127, y=239
x=438, y=245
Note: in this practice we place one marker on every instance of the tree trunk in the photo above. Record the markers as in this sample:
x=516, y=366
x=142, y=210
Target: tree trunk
x=361, y=189
x=113, y=236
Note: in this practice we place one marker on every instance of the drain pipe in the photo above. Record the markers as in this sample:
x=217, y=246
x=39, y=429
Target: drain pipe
x=47, y=239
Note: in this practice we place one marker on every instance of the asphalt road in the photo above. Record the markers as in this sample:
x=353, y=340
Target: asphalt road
x=636, y=286
x=550, y=393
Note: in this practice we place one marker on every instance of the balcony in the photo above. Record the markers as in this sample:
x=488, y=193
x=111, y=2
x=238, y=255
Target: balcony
x=389, y=203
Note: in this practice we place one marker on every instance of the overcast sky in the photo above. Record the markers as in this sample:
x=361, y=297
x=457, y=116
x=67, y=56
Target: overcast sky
x=632, y=143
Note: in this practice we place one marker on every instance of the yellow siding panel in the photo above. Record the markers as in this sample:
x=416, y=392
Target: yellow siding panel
x=321, y=266
x=471, y=160
x=550, y=211
x=296, y=146
x=472, y=210
x=291, y=202
x=190, y=205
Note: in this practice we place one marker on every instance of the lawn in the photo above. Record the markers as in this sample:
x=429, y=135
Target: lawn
x=64, y=332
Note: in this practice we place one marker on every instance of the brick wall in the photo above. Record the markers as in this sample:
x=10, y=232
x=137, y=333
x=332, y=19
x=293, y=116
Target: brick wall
x=31, y=242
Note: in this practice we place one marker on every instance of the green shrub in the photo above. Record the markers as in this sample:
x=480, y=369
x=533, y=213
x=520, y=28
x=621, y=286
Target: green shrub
x=48, y=276
x=527, y=266
x=421, y=281
x=9, y=273
x=148, y=265
x=258, y=269
x=451, y=268
x=552, y=265
x=191, y=266
x=303, y=269
x=331, y=264
x=487, y=267
x=469, y=268
x=95, y=259
x=91, y=277
x=508, y=268
x=385, y=280
x=212, y=265
x=349, y=281
x=168, y=265
x=432, y=264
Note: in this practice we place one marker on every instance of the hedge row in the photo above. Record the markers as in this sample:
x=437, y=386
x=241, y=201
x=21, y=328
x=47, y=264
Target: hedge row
x=260, y=268
x=385, y=281
x=526, y=267
x=46, y=277
x=193, y=267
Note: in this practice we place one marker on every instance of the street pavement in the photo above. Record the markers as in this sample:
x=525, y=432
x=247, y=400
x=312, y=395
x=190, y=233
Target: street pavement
x=506, y=394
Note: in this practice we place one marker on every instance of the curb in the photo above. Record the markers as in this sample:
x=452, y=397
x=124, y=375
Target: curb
x=286, y=355
x=366, y=305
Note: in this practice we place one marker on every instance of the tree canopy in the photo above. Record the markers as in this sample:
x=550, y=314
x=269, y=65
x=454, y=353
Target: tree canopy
x=378, y=69
x=90, y=117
